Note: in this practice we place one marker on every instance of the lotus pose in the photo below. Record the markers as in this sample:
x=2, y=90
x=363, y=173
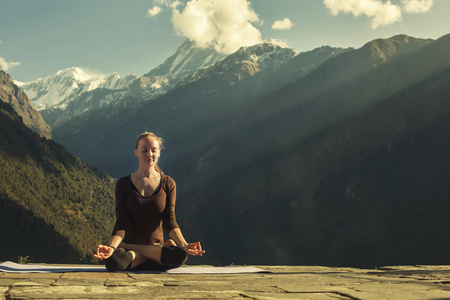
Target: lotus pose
x=145, y=201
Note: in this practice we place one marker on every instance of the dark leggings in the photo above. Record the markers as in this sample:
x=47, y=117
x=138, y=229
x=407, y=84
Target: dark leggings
x=171, y=257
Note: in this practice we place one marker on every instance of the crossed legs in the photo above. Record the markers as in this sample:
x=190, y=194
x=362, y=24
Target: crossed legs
x=130, y=256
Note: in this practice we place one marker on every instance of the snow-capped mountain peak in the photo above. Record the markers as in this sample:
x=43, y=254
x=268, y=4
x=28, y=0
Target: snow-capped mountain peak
x=51, y=90
x=247, y=61
x=187, y=59
x=78, y=74
x=115, y=82
x=58, y=89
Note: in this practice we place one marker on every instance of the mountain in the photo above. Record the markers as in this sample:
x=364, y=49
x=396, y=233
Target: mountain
x=58, y=90
x=220, y=107
x=186, y=60
x=13, y=95
x=261, y=169
x=247, y=62
x=54, y=208
x=73, y=92
x=353, y=174
x=264, y=67
x=53, y=90
x=389, y=189
x=208, y=95
x=304, y=63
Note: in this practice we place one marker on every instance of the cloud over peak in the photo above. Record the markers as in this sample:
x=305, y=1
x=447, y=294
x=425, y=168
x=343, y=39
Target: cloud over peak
x=225, y=25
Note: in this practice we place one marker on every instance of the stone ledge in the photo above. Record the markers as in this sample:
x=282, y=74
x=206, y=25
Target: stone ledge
x=285, y=282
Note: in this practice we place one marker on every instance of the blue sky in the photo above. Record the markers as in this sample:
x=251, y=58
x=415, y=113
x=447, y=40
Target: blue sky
x=39, y=38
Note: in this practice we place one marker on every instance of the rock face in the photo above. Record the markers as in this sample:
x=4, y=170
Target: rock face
x=13, y=95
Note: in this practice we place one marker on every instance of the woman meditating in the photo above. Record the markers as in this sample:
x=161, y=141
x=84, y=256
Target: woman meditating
x=145, y=201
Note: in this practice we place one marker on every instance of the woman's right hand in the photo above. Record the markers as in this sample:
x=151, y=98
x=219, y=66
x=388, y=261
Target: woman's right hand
x=103, y=252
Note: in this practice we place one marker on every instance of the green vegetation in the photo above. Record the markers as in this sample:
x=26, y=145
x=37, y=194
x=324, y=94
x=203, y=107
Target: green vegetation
x=23, y=260
x=53, y=206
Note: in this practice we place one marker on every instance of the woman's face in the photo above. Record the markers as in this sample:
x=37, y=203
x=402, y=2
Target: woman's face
x=148, y=151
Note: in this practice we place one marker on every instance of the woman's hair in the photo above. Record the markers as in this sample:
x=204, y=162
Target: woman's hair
x=150, y=135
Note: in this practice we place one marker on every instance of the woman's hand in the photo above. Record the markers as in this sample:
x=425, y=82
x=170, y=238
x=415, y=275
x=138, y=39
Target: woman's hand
x=193, y=249
x=103, y=252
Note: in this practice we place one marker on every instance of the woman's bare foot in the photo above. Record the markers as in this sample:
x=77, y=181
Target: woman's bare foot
x=169, y=243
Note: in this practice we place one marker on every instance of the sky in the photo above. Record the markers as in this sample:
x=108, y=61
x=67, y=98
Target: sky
x=39, y=38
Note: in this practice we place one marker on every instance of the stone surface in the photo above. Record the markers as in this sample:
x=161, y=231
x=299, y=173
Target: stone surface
x=285, y=282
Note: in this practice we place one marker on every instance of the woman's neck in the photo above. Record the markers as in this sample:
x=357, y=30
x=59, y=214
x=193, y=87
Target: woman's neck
x=147, y=172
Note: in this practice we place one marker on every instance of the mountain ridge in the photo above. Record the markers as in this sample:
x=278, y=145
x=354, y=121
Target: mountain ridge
x=13, y=95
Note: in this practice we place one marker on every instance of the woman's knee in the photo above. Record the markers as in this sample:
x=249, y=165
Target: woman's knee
x=120, y=260
x=173, y=257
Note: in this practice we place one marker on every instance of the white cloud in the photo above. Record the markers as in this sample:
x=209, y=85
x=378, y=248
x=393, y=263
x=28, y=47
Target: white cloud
x=154, y=11
x=381, y=13
x=226, y=25
x=284, y=24
x=175, y=4
x=4, y=65
x=417, y=6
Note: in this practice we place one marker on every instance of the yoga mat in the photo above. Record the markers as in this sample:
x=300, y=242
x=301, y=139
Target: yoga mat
x=10, y=267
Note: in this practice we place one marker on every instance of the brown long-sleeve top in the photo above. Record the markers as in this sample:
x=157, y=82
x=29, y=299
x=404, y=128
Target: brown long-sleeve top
x=141, y=217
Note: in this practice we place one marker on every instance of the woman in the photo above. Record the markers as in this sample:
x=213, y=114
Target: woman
x=145, y=200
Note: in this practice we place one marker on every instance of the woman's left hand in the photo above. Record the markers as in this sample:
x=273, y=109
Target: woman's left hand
x=193, y=249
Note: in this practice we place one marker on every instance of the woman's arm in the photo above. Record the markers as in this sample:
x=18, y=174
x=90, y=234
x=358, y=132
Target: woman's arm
x=176, y=235
x=117, y=239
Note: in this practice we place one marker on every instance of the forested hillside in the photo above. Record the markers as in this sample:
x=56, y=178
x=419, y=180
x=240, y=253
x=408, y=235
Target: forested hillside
x=351, y=175
x=53, y=206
